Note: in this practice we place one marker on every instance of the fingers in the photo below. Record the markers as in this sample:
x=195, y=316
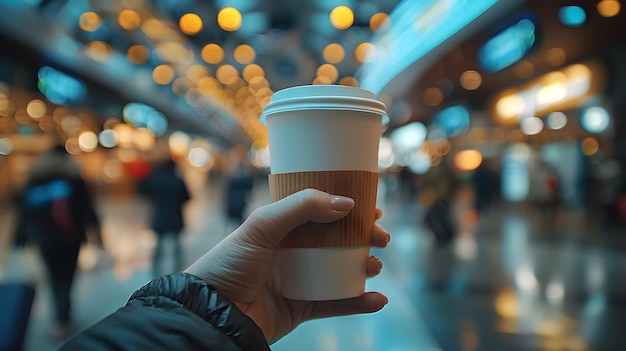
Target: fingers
x=374, y=266
x=380, y=237
x=275, y=220
x=366, y=303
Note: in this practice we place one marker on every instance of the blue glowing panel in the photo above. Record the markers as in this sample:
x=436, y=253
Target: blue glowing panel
x=453, y=120
x=144, y=116
x=572, y=16
x=60, y=88
x=417, y=28
x=508, y=46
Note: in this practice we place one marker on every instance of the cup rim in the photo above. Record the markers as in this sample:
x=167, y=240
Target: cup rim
x=319, y=97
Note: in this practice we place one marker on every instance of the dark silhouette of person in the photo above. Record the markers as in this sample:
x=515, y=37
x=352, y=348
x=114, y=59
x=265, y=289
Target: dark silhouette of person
x=238, y=189
x=56, y=213
x=168, y=194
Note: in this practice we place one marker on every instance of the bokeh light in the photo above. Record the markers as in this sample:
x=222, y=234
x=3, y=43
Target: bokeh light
x=608, y=8
x=190, y=23
x=212, y=53
x=129, y=19
x=88, y=141
x=229, y=19
x=89, y=21
x=334, y=53
x=467, y=160
x=163, y=74
x=342, y=17
x=595, y=119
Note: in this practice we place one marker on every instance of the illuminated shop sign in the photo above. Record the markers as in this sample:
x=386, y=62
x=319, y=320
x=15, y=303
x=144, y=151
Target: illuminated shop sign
x=509, y=45
x=557, y=90
x=417, y=28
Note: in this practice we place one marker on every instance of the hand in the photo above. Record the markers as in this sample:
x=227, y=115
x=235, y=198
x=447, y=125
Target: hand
x=241, y=267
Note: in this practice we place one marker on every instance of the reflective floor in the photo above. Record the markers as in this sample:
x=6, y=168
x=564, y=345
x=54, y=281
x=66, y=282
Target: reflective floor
x=513, y=279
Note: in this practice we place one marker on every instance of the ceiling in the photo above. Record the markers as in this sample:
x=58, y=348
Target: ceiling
x=288, y=38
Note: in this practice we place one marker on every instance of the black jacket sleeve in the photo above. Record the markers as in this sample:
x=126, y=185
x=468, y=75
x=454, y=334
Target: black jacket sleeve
x=173, y=312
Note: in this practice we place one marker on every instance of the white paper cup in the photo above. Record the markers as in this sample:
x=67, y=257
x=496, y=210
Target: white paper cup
x=325, y=137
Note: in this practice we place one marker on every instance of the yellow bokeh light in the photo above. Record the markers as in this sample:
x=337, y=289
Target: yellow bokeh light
x=342, y=17
x=608, y=8
x=510, y=106
x=251, y=71
x=163, y=74
x=506, y=304
x=36, y=108
x=195, y=72
x=471, y=80
x=590, y=146
x=143, y=139
x=89, y=21
x=349, y=81
x=365, y=52
x=98, y=50
x=226, y=74
x=88, y=141
x=229, y=19
x=334, y=53
x=137, y=54
x=322, y=81
x=244, y=54
x=212, y=53
x=380, y=22
x=468, y=160
x=432, y=96
x=129, y=20
x=329, y=71
x=190, y=23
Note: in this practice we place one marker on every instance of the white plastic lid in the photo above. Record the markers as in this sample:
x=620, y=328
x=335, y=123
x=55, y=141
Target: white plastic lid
x=324, y=97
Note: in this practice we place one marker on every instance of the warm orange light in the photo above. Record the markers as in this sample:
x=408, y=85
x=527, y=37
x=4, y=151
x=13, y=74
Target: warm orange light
x=329, y=71
x=163, y=74
x=349, y=81
x=226, y=74
x=342, y=17
x=251, y=71
x=365, y=52
x=590, y=146
x=432, y=96
x=334, y=53
x=468, y=160
x=471, y=80
x=36, y=108
x=212, y=53
x=89, y=21
x=98, y=50
x=190, y=23
x=244, y=54
x=229, y=19
x=608, y=8
x=380, y=22
x=129, y=20
x=137, y=54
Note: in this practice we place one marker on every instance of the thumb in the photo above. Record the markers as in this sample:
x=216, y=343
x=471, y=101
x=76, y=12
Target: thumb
x=269, y=224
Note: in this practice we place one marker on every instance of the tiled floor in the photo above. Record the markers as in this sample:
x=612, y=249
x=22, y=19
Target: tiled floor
x=507, y=284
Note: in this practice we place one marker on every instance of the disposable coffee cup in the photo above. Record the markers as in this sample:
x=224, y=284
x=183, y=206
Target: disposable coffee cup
x=325, y=137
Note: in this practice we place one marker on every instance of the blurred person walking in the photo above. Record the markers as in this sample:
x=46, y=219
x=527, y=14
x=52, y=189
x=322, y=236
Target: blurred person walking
x=238, y=189
x=56, y=213
x=168, y=193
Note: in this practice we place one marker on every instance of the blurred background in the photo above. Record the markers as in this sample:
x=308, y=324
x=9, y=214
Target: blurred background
x=501, y=170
